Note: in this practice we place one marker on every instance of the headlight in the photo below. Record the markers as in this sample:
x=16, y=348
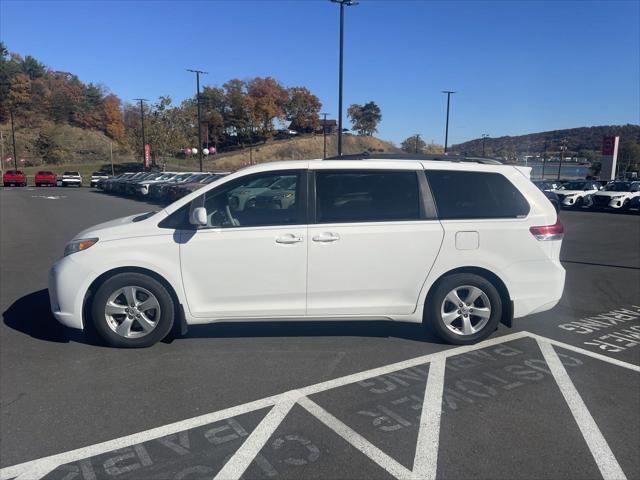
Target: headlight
x=79, y=245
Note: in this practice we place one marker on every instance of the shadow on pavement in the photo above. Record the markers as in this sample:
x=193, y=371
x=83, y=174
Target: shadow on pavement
x=32, y=316
x=384, y=329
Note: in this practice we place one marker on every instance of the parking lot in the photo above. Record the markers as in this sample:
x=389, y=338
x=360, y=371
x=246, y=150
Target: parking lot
x=556, y=396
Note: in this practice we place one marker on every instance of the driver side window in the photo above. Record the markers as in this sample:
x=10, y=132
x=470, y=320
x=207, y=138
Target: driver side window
x=262, y=199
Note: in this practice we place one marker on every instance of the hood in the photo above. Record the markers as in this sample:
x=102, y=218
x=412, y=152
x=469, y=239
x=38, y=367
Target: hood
x=130, y=226
x=613, y=194
x=570, y=192
x=148, y=182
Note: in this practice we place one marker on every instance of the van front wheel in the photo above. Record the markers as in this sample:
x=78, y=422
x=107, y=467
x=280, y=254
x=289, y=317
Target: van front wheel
x=132, y=310
x=463, y=309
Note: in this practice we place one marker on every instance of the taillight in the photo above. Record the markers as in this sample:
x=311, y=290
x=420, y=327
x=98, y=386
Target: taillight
x=548, y=232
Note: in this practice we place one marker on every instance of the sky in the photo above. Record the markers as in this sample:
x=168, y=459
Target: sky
x=517, y=66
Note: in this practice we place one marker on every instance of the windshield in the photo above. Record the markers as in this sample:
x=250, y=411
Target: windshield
x=72, y=174
x=618, y=187
x=182, y=177
x=573, y=186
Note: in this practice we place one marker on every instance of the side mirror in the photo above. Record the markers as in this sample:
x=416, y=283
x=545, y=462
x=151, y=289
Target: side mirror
x=198, y=216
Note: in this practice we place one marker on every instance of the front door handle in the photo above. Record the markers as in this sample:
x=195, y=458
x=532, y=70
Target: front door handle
x=289, y=238
x=326, y=237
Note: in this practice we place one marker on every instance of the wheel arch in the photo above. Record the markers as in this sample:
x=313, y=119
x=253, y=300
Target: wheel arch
x=507, y=303
x=179, y=326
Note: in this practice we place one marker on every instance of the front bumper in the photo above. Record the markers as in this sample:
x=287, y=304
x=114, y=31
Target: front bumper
x=68, y=282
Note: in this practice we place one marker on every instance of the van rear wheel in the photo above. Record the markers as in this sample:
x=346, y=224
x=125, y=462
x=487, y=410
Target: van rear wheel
x=464, y=309
x=132, y=310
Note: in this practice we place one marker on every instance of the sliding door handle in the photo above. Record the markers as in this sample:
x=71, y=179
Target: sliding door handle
x=289, y=238
x=326, y=237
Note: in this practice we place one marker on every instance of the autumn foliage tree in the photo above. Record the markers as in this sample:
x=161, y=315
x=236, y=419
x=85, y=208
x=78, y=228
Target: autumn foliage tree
x=267, y=100
x=114, y=126
x=303, y=109
x=365, y=118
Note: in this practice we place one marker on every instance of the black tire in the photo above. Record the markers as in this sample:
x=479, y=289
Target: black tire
x=164, y=323
x=579, y=203
x=433, y=309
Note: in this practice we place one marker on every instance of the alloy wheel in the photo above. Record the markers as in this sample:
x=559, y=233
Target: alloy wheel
x=465, y=310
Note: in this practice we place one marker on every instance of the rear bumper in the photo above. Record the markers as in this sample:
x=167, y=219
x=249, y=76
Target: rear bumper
x=68, y=282
x=535, y=286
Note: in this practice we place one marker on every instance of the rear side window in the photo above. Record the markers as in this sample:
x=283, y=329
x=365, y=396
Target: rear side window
x=366, y=196
x=460, y=195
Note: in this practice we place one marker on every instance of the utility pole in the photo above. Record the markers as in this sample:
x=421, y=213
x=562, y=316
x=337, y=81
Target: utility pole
x=446, y=130
x=111, y=156
x=13, y=136
x=544, y=159
x=1, y=152
x=251, y=143
x=484, y=137
x=144, y=142
x=417, y=139
x=198, y=72
x=342, y=3
x=324, y=135
x=563, y=147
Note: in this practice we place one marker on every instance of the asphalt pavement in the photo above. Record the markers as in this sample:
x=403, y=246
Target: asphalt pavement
x=519, y=406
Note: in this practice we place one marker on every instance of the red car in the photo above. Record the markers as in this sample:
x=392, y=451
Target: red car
x=46, y=178
x=14, y=177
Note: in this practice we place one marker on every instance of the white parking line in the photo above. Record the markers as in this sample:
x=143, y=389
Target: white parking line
x=602, y=454
x=243, y=457
x=356, y=440
x=588, y=353
x=425, y=462
x=53, y=461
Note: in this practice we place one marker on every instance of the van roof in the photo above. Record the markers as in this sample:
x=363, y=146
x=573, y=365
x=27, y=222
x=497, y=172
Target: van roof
x=419, y=157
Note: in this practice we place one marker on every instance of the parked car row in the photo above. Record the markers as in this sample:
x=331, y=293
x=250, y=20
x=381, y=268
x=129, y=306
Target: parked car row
x=614, y=195
x=161, y=186
x=43, y=178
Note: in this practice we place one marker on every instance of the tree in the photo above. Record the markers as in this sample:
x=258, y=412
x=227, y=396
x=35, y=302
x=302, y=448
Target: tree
x=302, y=109
x=365, y=118
x=213, y=103
x=629, y=156
x=267, y=101
x=114, y=126
x=236, y=113
x=413, y=144
x=32, y=68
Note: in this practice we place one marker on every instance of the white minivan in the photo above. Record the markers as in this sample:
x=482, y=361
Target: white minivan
x=458, y=244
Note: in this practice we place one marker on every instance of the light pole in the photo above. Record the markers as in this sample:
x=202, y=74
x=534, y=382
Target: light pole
x=198, y=72
x=342, y=3
x=544, y=159
x=563, y=147
x=142, y=100
x=446, y=129
x=324, y=135
x=484, y=138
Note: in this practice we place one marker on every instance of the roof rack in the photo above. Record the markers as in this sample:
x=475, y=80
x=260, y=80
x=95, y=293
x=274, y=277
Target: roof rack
x=417, y=156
